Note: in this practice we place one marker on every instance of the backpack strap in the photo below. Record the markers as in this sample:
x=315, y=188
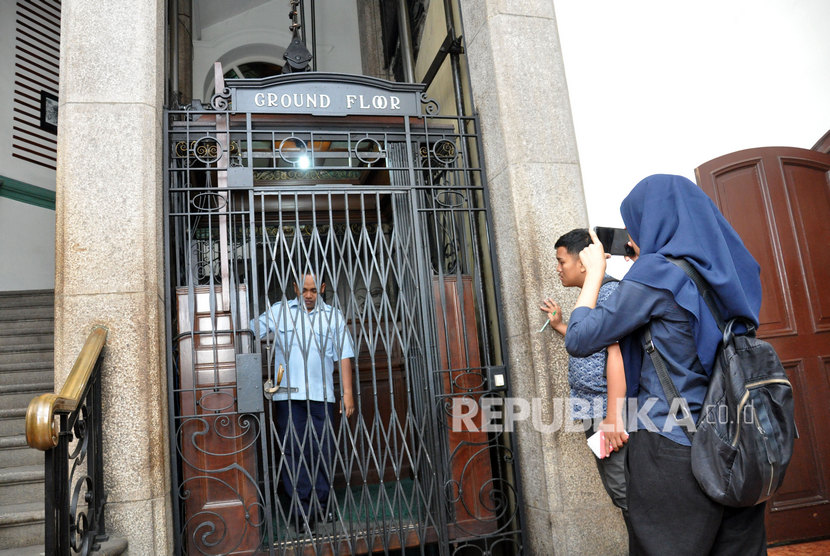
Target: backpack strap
x=702, y=288
x=669, y=389
x=608, y=278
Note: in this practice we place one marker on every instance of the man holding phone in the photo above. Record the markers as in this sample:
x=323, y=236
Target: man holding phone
x=598, y=380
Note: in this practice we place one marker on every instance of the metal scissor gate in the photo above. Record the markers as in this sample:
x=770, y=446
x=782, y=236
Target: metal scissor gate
x=328, y=252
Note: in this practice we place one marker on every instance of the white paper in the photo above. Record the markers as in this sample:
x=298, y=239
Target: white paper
x=597, y=444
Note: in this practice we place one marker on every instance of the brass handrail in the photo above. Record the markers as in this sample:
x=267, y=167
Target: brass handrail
x=41, y=431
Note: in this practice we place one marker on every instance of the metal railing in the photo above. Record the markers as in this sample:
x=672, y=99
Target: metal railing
x=67, y=427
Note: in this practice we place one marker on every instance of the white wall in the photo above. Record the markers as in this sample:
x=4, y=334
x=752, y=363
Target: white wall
x=662, y=86
x=27, y=233
x=261, y=33
x=27, y=246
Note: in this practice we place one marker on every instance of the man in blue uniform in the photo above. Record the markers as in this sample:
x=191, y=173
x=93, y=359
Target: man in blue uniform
x=309, y=336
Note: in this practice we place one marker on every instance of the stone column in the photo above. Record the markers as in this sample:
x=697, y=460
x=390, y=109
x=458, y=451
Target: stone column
x=519, y=88
x=108, y=247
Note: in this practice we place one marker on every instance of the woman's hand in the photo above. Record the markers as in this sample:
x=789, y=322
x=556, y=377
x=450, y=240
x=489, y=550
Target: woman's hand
x=593, y=259
x=635, y=251
x=593, y=256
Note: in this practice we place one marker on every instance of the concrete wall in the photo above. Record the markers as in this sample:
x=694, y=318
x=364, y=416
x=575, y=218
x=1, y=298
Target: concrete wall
x=536, y=194
x=109, y=258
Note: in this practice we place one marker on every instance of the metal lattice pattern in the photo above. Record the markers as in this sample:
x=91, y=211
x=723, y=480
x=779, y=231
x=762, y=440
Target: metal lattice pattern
x=392, y=219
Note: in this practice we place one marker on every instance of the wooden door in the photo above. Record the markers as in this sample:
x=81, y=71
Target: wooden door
x=471, y=474
x=217, y=443
x=778, y=200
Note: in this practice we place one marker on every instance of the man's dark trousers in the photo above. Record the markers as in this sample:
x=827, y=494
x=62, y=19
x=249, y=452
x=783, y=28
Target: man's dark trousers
x=305, y=432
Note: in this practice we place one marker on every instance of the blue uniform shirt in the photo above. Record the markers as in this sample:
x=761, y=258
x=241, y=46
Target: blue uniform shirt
x=313, y=341
x=624, y=313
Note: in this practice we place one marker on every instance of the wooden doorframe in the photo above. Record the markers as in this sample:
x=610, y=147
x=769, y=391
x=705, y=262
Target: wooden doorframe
x=823, y=144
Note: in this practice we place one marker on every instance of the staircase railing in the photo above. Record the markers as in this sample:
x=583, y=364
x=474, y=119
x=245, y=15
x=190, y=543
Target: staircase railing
x=67, y=427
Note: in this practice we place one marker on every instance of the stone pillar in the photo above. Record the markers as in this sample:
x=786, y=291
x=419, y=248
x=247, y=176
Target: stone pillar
x=108, y=247
x=519, y=88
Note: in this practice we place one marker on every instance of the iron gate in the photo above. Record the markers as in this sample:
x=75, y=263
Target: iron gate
x=377, y=219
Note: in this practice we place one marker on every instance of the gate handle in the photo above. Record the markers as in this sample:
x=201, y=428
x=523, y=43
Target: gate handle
x=268, y=387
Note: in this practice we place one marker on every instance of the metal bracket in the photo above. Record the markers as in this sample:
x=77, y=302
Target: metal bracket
x=240, y=177
x=449, y=46
x=248, y=386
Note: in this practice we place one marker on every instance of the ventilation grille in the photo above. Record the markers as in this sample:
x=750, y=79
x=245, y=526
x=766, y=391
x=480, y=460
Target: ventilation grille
x=36, y=56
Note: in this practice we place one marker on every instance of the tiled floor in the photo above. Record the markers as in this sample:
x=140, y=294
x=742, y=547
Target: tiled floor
x=818, y=548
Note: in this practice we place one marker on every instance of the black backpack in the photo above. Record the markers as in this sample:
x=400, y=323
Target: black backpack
x=743, y=440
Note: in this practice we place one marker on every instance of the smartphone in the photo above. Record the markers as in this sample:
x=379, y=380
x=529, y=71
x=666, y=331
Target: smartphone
x=614, y=241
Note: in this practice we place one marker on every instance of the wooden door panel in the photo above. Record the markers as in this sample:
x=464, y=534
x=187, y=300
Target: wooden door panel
x=800, y=488
x=778, y=200
x=810, y=201
x=742, y=193
x=470, y=470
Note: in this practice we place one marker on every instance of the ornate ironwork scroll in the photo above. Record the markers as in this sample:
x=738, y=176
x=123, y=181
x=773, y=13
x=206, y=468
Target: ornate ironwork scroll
x=74, y=473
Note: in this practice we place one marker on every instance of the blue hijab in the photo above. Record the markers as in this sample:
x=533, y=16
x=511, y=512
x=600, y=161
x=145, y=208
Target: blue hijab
x=669, y=216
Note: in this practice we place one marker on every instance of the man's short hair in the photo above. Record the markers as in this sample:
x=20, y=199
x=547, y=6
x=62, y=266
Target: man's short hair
x=319, y=278
x=574, y=241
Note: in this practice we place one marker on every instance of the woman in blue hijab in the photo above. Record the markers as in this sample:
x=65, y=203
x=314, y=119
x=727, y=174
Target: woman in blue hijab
x=669, y=216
